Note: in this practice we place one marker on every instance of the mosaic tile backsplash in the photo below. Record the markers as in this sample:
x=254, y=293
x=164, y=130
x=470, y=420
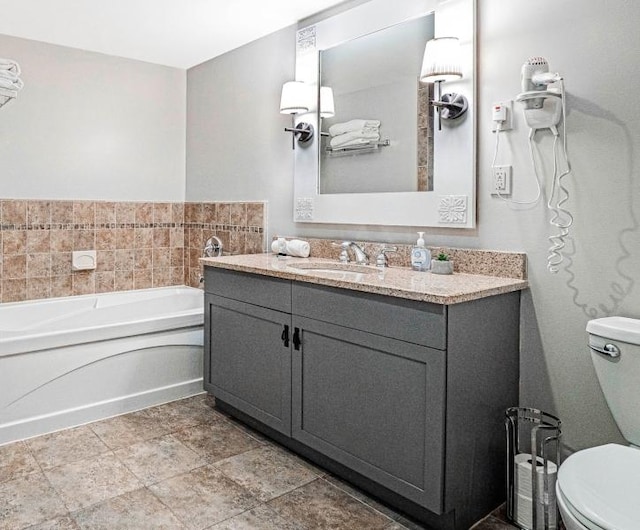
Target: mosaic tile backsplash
x=138, y=244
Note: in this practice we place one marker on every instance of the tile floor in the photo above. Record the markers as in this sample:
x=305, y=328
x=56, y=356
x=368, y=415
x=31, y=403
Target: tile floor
x=181, y=465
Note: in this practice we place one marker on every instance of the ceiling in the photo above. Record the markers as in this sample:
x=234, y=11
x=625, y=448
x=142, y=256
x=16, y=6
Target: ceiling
x=179, y=33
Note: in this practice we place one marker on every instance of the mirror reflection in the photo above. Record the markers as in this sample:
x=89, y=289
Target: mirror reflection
x=380, y=137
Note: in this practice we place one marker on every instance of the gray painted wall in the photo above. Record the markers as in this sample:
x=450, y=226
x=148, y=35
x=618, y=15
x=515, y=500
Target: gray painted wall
x=92, y=126
x=238, y=151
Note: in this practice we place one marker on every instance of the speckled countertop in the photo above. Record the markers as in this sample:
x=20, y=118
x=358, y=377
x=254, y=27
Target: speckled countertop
x=400, y=282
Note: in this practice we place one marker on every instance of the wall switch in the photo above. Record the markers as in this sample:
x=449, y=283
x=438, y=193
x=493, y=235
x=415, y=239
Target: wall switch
x=502, y=111
x=501, y=176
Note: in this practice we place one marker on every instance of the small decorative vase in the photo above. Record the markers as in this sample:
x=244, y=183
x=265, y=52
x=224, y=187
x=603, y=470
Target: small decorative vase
x=441, y=267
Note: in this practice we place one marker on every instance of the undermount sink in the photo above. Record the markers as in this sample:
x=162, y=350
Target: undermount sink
x=346, y=270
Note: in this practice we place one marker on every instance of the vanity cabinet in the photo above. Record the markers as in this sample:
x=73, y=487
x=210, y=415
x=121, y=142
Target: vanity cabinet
x=406, y=399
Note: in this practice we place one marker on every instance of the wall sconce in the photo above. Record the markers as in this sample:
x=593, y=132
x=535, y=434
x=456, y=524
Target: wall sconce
x=295, y=100
x=327, y=105
x=441, y=63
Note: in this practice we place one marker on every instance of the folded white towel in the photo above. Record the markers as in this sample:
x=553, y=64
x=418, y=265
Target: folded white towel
x=11, y=84
x=8, y=74
x=9, y=65
x=298, y=248
x=353, y=125
x=357, y=137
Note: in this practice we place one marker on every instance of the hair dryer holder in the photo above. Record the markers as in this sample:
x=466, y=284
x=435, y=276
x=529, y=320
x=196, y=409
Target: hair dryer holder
x=543, y=108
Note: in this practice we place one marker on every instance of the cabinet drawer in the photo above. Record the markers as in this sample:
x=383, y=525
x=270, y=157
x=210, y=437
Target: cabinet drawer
x=255, y=289
x=417, y=322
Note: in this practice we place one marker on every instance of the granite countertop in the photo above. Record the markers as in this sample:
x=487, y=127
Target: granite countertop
x=400, y=282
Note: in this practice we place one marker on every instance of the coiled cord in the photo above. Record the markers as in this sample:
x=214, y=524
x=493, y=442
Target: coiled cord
x=561, y=217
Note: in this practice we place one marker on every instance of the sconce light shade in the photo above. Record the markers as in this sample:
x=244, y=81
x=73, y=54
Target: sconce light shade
x=441, y=60
x=294, y=98
x=327, y=106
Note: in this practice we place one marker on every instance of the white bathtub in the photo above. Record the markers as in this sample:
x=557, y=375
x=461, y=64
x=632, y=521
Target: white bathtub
x=68, y=361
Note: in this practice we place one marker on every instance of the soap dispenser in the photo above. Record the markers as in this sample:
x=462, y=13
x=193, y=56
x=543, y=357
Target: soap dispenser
x=420, y=255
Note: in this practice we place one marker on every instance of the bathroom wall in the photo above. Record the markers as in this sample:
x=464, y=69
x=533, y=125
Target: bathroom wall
x=91, y=126
x=236, y=150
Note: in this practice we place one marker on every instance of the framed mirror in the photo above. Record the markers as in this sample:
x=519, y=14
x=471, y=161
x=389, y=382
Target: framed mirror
x=411, y=173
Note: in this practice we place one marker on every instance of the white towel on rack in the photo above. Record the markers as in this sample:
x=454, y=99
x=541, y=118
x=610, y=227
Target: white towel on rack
x=353, y=138
x=8, y=74
x=11, y=84
x=9, y=65
x=352, y=126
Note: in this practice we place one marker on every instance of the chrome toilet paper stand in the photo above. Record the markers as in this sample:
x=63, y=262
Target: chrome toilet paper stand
x=538, y=433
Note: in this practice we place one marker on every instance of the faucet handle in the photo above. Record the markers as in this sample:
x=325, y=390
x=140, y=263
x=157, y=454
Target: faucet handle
x=382, y=260
x=344, y=254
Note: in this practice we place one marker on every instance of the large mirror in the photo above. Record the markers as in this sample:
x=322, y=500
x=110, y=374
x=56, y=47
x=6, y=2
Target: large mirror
x=373, y=80
x=417, y=175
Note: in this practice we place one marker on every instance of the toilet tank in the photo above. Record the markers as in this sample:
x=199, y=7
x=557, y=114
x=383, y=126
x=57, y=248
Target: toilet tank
x=619, y=375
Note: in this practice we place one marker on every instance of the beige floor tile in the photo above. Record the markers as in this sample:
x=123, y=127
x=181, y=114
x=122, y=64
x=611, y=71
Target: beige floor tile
x=136, y=510
x=184, y=413
x=16, y=461
x=320, y=505
x=87, y=482
x=203, y=497
x=267, y=472
x=65, y=522
x=217, y=440
x=28, y=501
x=158, y=459
x=199, y=409
x=63, y=447
x=363, y=497
x=259, y=518
x=121, y=431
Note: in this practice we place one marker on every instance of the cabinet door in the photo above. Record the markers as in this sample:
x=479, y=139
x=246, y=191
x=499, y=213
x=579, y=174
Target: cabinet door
x=248, y=356
x=373, y=404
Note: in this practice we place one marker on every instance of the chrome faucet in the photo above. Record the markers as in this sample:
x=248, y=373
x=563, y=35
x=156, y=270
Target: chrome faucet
x=361, y=256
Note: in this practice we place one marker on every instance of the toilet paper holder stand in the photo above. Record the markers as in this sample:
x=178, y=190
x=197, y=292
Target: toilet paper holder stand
x=538, y=433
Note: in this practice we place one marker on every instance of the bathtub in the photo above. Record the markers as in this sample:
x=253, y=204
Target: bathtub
x=69, y=361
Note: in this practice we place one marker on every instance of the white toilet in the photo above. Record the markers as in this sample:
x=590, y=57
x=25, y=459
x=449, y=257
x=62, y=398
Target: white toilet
x=599, y=488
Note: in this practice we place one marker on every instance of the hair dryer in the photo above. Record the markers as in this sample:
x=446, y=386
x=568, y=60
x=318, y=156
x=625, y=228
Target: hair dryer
x=530, y=73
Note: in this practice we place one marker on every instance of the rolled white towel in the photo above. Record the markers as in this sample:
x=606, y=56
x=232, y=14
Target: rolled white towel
x=353, y=125
x=354, y=137
x=298, y=248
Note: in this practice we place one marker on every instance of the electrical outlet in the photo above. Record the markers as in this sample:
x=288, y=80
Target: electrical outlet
x=502, y=108
x=501, y=180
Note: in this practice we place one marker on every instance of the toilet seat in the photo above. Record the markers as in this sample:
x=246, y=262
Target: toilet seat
x=601, y=487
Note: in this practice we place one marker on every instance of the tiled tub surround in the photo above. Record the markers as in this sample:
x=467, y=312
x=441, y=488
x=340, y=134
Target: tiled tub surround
x=138, y=244
x=241, y=227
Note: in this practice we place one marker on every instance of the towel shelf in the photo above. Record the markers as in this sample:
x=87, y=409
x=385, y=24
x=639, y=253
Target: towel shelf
x=6, y=95
x=357, y=149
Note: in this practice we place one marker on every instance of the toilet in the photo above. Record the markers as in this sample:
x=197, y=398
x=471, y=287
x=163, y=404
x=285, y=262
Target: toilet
x=599, y=488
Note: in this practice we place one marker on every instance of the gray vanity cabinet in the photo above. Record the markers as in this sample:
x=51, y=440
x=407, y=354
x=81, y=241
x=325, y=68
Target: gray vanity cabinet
x=405, y=399
x=248, y=361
